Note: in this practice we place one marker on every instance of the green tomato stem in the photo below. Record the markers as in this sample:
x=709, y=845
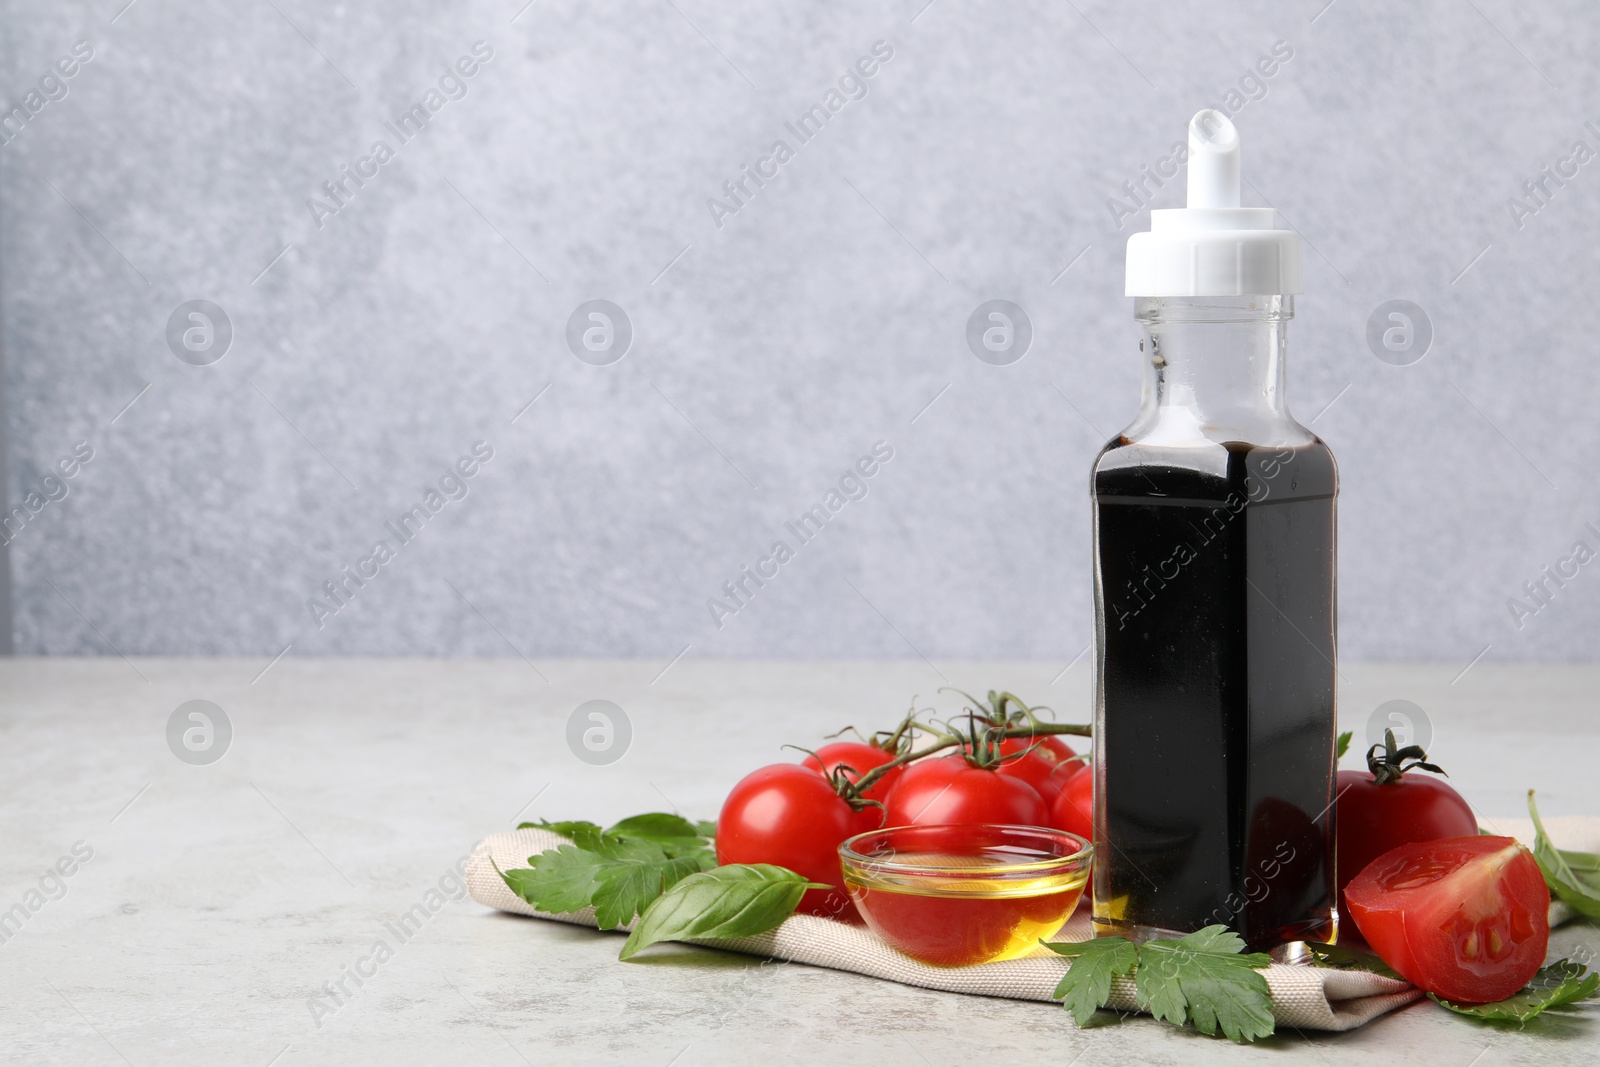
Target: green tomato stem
x=854, y=791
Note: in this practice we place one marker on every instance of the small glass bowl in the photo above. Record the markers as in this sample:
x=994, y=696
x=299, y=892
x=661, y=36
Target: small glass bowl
x=957, y=895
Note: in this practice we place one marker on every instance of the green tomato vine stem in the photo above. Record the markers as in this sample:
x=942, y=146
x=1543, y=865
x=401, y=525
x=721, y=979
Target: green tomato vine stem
x=989, y=723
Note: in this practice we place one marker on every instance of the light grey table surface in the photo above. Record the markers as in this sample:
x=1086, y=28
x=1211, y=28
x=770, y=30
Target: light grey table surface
x=220, y=898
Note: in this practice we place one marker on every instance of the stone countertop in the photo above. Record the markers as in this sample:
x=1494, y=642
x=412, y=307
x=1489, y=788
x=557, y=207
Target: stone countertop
x=217, y=899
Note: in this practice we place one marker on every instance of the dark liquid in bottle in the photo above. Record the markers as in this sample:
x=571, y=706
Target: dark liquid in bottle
x=1215, y=584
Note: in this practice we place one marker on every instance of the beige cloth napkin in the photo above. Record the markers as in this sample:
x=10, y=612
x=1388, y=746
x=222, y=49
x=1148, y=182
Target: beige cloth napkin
x=1308, y=998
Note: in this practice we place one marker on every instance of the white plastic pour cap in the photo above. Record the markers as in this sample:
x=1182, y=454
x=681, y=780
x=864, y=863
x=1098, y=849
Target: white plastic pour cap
x=1214, y=247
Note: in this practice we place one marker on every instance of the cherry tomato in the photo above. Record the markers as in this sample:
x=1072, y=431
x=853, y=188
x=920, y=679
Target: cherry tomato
x=1073, y=810
x=1465, y=918
x=790, y=816
x=947, y=789
x=859, y=759
x=1373, y=819
x=1046, y=767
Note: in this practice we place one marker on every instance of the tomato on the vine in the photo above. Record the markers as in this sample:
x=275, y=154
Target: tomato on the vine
x=789, y=815
x=1465, y=918
x=1073, y=809
x=1046, y=763
x=856, y=758
x=1384, y=807
x=949, y=789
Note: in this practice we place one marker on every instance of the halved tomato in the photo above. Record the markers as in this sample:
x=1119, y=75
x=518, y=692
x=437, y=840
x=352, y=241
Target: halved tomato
x=1466, y=918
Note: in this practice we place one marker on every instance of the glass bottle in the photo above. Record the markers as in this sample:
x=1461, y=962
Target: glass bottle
x=1214, y=594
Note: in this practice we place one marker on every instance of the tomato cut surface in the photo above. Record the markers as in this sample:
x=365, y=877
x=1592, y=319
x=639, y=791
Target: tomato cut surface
x=1375, y=818
x=1466, y=918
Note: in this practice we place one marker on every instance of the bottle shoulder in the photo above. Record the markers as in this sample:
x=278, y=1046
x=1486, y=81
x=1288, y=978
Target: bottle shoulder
x=1214, y=469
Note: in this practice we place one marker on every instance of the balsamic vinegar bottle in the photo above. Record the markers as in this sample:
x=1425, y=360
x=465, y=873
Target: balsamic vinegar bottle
x=1214, y=591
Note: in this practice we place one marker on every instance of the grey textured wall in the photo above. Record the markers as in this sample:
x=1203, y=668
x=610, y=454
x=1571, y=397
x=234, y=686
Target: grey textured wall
x=377, y=337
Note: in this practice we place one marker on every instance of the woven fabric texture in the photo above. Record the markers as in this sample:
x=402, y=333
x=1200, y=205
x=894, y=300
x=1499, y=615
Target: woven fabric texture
x=1309, y=998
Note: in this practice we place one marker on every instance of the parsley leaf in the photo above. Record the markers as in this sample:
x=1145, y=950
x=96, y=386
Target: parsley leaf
x=1086, y=986
x=675, y=834
x=736, y=900
x=1572, y=876
x=1207, y=979
x=556, y=880
x=565, y=829
x=619, y=871
x=1556, y=986
x=630, y=887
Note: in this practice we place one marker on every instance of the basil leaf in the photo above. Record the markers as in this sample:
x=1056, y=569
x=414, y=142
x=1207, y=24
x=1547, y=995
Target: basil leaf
x=1343, y=745
x=736, y=900
x=707, y=829
x=1576, y=883
x=1086, y=986
x=1555, y=986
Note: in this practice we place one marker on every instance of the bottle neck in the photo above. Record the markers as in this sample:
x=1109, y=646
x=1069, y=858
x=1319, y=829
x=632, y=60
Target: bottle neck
x=1214, y=371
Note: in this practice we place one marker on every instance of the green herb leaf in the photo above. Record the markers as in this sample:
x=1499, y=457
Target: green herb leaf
x=1345, y=958
x=620, y=876
x=707, y=829
x=633, y=873
x=1555, y=986
x=1581, y=862
x=1343, y=745
x=673, y=832
x=557, y=880
x=629, y=886
x=1086, y=986
x=1572, y=876
x=565, y=829
x=1205, y=978
x=677, y=835
x=736, y=900
x=1208, y=980
x=655, y=827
